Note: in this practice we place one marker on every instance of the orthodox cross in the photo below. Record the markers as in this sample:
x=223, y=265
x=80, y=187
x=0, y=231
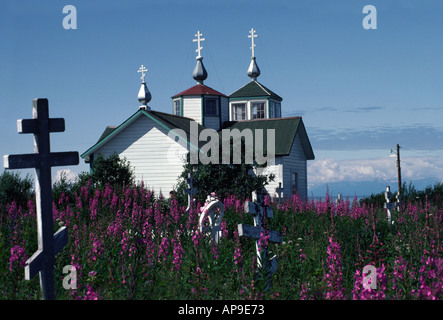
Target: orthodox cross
x=198, y=40
x=260, y=212
x=42, y=160
x=388, y=205
x=142, y=69
x=279, y=190
x=191, y=190
x=252, y=36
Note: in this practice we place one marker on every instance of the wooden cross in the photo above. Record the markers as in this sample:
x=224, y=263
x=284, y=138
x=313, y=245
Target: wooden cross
x=252, y=36
x=339, y=199
x=388, y=205
x=142, y=69
x=259, y=211
x=279, y=190
x=42, y=160
x=198, y=40
x=191, y=190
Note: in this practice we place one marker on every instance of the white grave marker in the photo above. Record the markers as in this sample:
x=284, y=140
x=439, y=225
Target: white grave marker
x=42, y=160
x=214, y=209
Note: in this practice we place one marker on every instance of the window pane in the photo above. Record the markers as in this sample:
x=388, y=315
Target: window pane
x=294, y=183
x=211, y=107
x=238, y=111
x=258, y=110
x=177, y=107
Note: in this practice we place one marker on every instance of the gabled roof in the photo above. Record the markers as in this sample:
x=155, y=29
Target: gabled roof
x=165, y=120
x=254, y=89
x=199, y=89
x=286, y=130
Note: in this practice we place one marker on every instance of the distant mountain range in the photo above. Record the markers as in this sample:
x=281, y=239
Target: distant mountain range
x=363, y=189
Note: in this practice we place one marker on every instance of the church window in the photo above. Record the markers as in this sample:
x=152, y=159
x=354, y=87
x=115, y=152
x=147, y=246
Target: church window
x=277, y=110
x=294, y=182
x=239, y=111
x=177, y=107
x=211, y=107
x=271, y=109
x=258, y=110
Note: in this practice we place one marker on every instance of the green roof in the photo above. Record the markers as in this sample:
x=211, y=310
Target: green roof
x=286, y=130
x=254, y=89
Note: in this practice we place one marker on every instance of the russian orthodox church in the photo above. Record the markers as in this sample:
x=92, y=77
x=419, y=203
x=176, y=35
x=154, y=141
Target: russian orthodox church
x=156, y=143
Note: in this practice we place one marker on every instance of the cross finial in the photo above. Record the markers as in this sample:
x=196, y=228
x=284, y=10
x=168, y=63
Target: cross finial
x=198, y=40
x=142, y=69
x=252, y=36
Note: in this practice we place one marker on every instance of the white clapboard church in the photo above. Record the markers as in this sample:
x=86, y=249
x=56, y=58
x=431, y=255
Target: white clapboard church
x=156, y=143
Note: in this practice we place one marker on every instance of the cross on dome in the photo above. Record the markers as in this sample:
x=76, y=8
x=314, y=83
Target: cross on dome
x=252, y=36
x=142, y=69
x=198, y=40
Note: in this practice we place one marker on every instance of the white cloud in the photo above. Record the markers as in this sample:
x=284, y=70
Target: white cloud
x=381, y=169
x=70, y=176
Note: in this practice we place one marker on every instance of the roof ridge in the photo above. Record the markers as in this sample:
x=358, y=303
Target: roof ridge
x=240, y=88
x=263, y=87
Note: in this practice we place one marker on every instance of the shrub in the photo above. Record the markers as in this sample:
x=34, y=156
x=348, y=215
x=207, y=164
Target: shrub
x=14, y=188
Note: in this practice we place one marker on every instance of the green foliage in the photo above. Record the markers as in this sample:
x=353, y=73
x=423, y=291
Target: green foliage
x=433, y=194
x=124, y=243
x=14, y=188
x=224, y=179
x=113, y=170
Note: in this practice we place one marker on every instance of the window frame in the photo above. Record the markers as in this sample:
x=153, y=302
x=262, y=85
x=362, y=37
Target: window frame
x=294, y=182
x=255, y=102
x=205, y=111
x=234, y=105
x=176, y=103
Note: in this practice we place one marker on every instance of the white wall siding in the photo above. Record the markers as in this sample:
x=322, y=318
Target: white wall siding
x=192, y=108
x=156, y=158
x=277, y=170
x=295, y=162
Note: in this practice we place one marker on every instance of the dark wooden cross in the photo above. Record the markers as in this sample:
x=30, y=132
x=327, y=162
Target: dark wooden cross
x=259, y=212
x=191, y=190
x=42, y=160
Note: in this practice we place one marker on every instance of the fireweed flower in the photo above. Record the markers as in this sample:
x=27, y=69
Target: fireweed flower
x=178, y=255
x=334, y=276
x=163, y=250
x=90, y=293
x=431, y=278
x=18, y=255
x=263, y=242
x=97, y=248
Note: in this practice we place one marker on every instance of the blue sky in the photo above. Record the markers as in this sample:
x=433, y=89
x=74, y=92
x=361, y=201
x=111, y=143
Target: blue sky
x=360, y=92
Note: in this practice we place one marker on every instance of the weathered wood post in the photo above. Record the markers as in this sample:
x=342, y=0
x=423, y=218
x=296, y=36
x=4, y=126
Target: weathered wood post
x=260, y=212
x=42, y=160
